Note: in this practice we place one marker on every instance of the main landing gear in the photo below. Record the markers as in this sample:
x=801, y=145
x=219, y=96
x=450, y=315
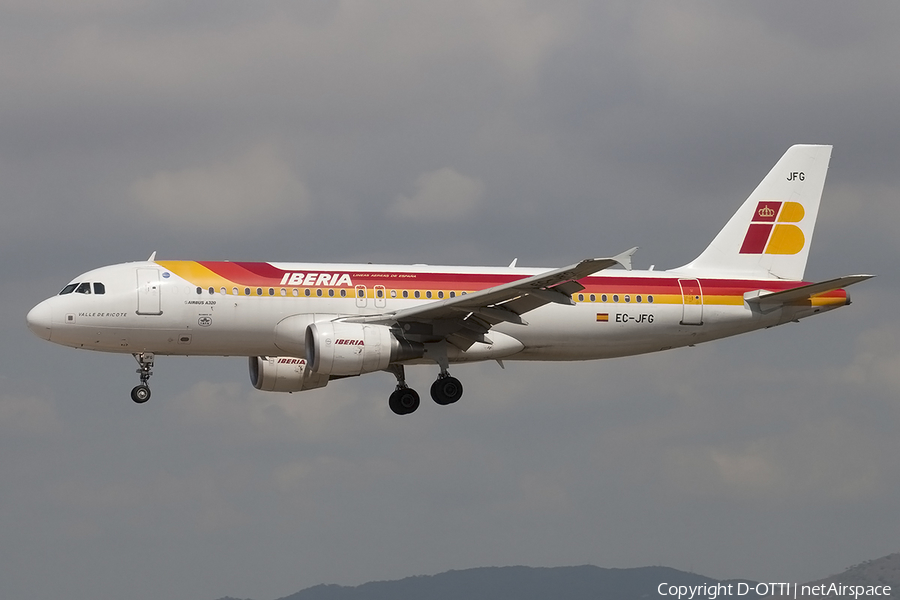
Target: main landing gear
x=446, y=389
x=405, y=400
x=141, y=393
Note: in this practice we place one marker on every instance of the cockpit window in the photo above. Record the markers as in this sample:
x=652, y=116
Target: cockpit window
x=68, y=289
x=99, y=288
x=83, y=288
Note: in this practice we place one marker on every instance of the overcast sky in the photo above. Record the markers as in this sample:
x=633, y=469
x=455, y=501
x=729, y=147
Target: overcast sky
x=458, y=132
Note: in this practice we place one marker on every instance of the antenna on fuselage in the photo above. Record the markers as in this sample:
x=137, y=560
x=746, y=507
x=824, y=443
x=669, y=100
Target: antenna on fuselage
x=152, y=257
x=513, y=263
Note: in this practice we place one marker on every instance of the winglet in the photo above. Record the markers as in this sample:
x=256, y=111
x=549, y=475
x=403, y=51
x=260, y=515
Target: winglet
x=624, y=259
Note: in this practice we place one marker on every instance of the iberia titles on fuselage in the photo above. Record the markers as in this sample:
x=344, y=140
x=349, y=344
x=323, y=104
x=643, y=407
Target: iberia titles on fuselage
x=305, y=324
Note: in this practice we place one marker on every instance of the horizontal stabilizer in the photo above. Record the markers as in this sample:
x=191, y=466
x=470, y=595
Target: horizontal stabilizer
x=767, y=300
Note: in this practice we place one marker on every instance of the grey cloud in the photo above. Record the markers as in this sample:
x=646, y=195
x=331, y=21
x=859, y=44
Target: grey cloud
x=441, y=195
x=252, y=190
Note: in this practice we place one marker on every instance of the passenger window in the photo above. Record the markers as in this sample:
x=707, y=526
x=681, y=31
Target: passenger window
x=295, y=292
x=212, y=290
x=83, y=288
x=428, y=294
x=259, y=291
x=271, y=291
x=405, y=294
x=440, y=294
x=246, y=291
x=593, y=298
x=343, y=293
x=331, y=293
x=453, y=294
x=306, y=292
x=99, y=288
x=581, y=297
x=234, y=291
x=416, y=293
x=68, y=289
x=604, y=298
x=393, y=293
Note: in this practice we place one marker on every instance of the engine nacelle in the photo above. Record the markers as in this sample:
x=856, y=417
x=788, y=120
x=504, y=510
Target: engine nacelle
x=283, y=374
x=355, y=348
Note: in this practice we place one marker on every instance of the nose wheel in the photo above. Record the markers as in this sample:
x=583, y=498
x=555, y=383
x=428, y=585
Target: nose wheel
x=141, y=393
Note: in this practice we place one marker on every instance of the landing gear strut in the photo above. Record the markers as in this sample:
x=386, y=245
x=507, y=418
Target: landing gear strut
x=446, y=389
x=404, y=400
x=141, y=393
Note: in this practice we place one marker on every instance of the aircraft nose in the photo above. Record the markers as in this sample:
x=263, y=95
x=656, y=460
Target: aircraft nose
x=39, y=320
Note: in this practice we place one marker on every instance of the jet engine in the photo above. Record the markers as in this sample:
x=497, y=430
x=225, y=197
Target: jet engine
x=283, y=374
x=355, y=348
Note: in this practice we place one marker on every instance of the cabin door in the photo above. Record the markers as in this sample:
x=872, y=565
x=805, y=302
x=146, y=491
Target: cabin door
x=148, y=292
x=692, y=297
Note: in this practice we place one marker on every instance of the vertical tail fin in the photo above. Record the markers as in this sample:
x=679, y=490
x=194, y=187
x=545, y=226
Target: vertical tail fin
x=770, y=234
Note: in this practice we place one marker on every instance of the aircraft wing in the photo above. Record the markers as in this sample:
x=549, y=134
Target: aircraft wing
x=769, y=300
x=466, y=319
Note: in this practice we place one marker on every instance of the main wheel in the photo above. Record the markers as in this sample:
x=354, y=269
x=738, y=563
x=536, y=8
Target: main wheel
x=140, y=394
x=404, y=401
x=446, y=390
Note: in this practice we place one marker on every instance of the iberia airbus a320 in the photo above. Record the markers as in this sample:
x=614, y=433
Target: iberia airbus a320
x=303, y=325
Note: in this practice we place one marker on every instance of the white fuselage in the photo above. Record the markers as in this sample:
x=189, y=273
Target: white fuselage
x=188, y=308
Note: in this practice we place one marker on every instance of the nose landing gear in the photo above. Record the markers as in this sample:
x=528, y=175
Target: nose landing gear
x=141, y=393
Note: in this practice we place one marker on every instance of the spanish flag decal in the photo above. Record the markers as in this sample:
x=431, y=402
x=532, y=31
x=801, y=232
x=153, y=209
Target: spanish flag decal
x=602, y=317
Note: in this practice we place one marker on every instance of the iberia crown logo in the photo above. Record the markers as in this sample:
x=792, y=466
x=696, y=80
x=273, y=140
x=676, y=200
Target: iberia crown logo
x=768, y=235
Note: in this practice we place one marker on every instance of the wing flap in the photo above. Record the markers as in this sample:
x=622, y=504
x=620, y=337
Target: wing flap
x=495, y=315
